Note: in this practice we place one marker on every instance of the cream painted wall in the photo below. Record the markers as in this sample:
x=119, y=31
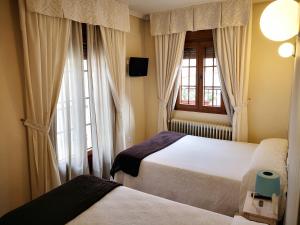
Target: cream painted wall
x=135, y=90
x=14, y=178
x=151, y=99
x=269, y=85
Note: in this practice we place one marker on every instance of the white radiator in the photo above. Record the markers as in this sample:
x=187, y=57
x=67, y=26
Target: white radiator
x=222, y=132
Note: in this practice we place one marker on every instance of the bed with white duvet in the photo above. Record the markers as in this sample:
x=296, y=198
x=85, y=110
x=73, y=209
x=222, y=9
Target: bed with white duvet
x=208, y=173
x=124, y=206
x=88, y=200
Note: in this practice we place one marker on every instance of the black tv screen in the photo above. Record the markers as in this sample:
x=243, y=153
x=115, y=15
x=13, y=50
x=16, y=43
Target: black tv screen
x=138, y=66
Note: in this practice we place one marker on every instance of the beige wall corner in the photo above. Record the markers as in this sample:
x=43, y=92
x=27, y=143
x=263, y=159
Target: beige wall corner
x=135, y=47
x=269, y=85
x=14, y=178
x=151, y=99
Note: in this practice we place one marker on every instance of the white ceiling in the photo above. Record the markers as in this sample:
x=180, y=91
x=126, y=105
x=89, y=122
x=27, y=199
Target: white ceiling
x=145, y=7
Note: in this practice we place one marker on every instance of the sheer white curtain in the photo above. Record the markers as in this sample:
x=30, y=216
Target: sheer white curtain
x=45, y=44
x=71, y=119
x=169, y=52
x=102, y=108
x=233, y=47
x=114, y=46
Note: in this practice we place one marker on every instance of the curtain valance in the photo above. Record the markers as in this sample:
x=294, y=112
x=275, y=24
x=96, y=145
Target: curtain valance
x=108, y=13
x=202, y=17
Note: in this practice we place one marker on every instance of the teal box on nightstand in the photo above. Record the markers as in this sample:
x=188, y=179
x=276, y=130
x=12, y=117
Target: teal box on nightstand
x=267, y=183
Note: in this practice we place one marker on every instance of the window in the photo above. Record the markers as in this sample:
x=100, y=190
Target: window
x=86, y=90
x=200, y=85
x=188, y=79
x=72, y=92
x=64, y=104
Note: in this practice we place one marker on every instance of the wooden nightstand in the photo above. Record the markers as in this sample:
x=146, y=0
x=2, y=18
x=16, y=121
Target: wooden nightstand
x=265, y=214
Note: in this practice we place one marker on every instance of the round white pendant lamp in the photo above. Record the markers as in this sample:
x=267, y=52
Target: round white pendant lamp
x=286, y=50
x=280, y=20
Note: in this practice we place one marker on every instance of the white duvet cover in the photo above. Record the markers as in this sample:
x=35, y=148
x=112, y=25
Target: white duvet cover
x=202, y=172
x=124, y=206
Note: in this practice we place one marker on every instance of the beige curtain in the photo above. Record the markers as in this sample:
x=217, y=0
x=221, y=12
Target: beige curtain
x=45, y=43
x=292, y=215
x=169, y=52
x=205, y=16
x=114, y=46
x=173, y=97
x=233, y=47
x=108, y=13
x=102, y=107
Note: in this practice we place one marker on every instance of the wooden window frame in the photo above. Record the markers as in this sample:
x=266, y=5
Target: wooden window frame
x=199, y=40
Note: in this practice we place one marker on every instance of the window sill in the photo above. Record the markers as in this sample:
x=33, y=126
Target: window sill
x=203, y=117
x=205, y=109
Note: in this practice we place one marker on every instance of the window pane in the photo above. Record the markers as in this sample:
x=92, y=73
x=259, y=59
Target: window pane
x=88, y=136
x=188, y=78
x=185, y=76
x=208, y=95
x=193, y=76
x=185, y=62
x=208, y=76
x=215, y=61
x=85, y=67
x=217, y=81
x=208, y=62
x=192, y=100
x=184, y=96
x=212, y=82
x=193, y=62
x=86, y=85
x=217, y=98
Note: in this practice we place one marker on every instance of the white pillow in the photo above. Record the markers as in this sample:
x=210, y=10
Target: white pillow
x=270, y=154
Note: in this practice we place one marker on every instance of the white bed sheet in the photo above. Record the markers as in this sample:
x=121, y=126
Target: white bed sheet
x=202, y=172
x=124, y=206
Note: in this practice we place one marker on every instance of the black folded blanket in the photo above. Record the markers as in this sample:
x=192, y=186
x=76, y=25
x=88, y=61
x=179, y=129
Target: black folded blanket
x=129, y=160
x=62, y=204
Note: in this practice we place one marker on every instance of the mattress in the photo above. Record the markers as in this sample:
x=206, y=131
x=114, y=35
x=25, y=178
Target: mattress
x=201, y=172
x=124, y=206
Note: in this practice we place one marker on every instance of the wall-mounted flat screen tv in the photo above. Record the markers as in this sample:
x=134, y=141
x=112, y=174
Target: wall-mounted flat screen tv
x=138, y=66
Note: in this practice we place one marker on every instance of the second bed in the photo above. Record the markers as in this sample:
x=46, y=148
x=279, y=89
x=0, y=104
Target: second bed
x=206, y=173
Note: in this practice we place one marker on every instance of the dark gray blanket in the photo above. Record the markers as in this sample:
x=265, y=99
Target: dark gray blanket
x=62, y=204
x=129, y=160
